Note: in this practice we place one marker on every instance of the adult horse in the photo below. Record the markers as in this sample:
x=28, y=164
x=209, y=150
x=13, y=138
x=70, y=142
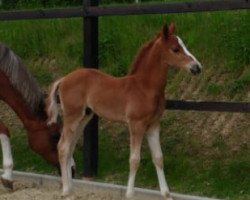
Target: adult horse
x=19, y=90
x=136, y=99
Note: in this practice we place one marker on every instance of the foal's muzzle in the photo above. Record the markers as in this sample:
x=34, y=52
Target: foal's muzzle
x=195, y=68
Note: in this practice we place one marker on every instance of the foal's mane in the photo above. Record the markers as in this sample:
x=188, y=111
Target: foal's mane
x=12, y=66
x=142, y=53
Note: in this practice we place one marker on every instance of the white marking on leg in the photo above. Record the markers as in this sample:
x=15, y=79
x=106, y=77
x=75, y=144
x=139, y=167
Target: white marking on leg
x=153, y=137
x=69, y=172
x=64, y=163
x=134, y=164
x=136, y=136
x=131, y=181
x=7, y=157
x=66, y=148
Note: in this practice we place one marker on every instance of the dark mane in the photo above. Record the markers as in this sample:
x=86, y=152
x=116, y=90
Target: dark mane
x=141, y=54
x=12, y=66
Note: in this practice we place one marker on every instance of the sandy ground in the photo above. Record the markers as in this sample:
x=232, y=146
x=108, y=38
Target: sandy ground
x=24, y=190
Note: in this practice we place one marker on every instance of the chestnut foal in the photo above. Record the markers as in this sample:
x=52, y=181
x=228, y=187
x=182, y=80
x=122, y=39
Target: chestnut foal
x=136, y=99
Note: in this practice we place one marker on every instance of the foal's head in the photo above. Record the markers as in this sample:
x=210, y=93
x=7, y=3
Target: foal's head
x=176, y=53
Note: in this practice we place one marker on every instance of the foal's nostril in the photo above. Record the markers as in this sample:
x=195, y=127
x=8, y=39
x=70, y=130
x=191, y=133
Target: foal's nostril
x=198, y=69
x=195, y=69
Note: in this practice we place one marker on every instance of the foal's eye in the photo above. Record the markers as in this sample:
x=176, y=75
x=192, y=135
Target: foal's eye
x=175, y=50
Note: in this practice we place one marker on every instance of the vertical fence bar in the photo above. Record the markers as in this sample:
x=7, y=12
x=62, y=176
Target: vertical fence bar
x=90, y=144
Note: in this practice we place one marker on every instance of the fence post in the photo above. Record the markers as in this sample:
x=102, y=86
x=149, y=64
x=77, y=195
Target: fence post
x=90, y=144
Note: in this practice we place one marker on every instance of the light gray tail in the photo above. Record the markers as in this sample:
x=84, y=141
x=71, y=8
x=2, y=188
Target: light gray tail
x=52, y=109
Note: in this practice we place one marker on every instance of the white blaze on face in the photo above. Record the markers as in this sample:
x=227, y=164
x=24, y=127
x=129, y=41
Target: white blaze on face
x=195, y=61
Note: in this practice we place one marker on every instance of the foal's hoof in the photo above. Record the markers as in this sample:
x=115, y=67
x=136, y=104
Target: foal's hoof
x=168, y=197
x=7, y=183
x=129, y=195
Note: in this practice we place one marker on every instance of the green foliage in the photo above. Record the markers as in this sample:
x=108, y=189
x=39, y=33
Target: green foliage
x=214, y=89
x=43, y=76
x=237, y=86
x=40, y=43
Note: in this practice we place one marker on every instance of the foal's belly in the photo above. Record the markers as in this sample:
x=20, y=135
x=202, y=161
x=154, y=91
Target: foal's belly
x=112, y=108
x=109, y=113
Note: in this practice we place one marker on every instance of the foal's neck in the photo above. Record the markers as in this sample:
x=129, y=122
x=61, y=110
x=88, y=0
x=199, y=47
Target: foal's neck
x=149, y=67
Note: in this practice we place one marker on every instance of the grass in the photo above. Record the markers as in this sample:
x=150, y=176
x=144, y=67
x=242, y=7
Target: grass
x=48, y=46
x=193, y=164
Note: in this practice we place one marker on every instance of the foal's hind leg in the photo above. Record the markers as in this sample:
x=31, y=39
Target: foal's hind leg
x=63, y=152
x=153, y=136
x=6, y=178
x=70, y=134
x=136, y=135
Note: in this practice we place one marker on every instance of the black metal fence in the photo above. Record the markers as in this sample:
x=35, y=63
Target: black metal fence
x=90, y=11
x=93, y=10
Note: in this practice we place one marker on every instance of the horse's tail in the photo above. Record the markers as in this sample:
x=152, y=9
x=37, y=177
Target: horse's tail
x=51, y=107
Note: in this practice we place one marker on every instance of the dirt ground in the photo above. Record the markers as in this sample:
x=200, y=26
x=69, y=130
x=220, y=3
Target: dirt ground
x=24, y=190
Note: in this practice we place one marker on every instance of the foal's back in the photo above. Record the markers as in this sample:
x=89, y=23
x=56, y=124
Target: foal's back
x=110, y=97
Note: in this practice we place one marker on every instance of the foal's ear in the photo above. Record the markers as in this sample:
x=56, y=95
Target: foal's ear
x=168, y=30
x=171, y=28
x=165, y=31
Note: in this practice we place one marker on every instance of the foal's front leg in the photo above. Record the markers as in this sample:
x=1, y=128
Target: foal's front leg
x=6, y=177
x=136, y=135
x=153, y=136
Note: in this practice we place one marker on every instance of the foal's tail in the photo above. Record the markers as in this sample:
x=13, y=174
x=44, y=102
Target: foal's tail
x=51, y=108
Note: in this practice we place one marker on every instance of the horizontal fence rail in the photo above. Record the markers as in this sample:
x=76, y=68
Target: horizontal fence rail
x=161, y=8
x=214, y=106
x=211, y=106
x=42, y=14
x=138, y=9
